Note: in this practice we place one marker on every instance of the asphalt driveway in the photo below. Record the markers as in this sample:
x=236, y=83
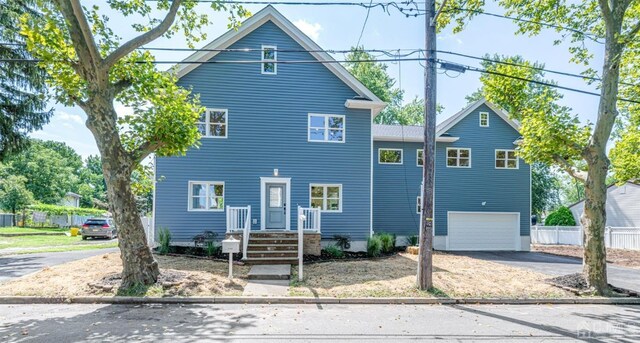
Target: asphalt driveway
x=15, y=266
x=554, y=265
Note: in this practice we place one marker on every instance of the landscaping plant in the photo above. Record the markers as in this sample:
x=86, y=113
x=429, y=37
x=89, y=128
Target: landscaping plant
x=374, y=246
x=388, y=242
x=334, y=251
x=164, y=237
x=411, y=241
x=212, y=248
x=560, y=217
x=343, y=241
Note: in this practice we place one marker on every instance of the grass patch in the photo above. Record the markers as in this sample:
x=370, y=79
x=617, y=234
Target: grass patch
x=66, y=248
x=454, y=276
x=15, y=229
x=43, y=241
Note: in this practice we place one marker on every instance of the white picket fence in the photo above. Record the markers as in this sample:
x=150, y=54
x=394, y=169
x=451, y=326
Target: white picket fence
x=615, y=237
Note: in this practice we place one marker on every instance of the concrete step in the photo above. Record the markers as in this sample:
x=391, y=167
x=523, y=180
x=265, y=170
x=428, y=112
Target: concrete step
x=270, y=272
x=271, y=254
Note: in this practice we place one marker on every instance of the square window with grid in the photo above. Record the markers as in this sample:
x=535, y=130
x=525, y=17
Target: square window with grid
x=213, y=123
x=459, y=157
x=506, y=159
x=206, y=196
x=326, y=197
x=326, y=128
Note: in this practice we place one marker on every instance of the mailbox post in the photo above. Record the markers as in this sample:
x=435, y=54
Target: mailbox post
x=230, y=246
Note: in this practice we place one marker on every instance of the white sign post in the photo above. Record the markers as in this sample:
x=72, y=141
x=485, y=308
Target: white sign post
x=230, y=246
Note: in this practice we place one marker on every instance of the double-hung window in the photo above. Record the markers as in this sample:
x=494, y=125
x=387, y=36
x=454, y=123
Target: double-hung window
x=206, y=196
x=484, y=119
x=389, y=156
x=213, y=123
x=326, y=128
x=269, y=59
x=459, y=157
x=326, y=197
x=506, y=159
x=418, y=204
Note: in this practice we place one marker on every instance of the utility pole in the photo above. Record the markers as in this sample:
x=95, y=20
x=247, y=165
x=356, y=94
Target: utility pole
x=425, y=257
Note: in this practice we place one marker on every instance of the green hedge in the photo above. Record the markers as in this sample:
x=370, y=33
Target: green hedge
x=58, y=210
x=560, y=217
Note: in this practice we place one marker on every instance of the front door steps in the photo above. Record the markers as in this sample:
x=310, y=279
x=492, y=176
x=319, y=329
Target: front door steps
x=268, y=280
x=272, y=248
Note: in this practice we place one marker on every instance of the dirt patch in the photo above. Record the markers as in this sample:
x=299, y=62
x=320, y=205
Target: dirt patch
x=180, y=277
x=454, y=276
x=621, y=257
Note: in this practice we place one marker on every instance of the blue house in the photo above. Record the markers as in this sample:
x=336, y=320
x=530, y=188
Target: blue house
x=288, y=146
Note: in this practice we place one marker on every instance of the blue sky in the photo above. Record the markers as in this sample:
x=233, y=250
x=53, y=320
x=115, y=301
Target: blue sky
x=338, y=28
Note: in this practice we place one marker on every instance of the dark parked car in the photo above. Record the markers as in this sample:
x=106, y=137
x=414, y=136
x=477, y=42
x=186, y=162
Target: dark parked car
x=99, y=227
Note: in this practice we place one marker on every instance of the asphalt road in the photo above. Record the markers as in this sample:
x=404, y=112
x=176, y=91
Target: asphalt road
x=335, y=323
x=628, y=278
x=19, y=265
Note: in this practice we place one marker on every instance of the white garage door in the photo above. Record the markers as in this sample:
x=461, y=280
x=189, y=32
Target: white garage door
x=484, y=231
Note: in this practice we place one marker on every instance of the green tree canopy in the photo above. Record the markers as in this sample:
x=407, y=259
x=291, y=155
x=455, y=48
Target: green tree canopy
x=14, y=195
x=23, y=98
x=544, y=189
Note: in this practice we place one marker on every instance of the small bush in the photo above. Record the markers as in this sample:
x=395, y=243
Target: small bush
x=560, y=217
x=388, y=242
x=164, y=238
x=334, y=251
x=212, y=248
x=374, y=246
x=411, y=241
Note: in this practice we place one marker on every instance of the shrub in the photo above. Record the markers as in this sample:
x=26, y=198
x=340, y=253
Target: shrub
x=334, y=251
x=560, y=217
x=388, y=242
x=342, y=241
x=374, y=246
x=164, y=238
x=212, y=248
x=411, y=241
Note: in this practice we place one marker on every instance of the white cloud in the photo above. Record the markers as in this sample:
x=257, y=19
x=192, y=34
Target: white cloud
x=310, y=29
x=68, y=117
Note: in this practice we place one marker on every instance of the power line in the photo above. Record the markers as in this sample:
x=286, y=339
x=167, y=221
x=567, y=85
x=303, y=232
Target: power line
x=364, y=24
x=542, y=83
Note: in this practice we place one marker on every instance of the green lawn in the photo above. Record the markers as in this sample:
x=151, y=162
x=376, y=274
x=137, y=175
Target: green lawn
x=15, y=229
x=52, y=243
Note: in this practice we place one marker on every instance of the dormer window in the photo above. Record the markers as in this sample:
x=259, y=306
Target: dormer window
x=269, y=58
x=484, y=119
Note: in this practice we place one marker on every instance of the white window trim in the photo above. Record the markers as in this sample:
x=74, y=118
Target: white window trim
x=326, y=127
x=506, y=159
x=446, y=159
x=324, y=195
x=207, y=183
x=418, y=204
x=274, y=60
x=418, y=157
x=393, y=163
x=207, y=123
x=480, y=119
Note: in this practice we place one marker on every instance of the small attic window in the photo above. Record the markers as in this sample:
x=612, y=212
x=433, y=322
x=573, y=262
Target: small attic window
x=484, y=119
x=269, y=58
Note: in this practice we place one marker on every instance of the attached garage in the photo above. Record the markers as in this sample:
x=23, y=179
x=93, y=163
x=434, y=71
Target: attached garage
x=483, y=231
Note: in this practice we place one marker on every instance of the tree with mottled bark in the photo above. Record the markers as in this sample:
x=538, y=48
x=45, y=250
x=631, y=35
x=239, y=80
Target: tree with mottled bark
x=611, y=26
x=89, y=65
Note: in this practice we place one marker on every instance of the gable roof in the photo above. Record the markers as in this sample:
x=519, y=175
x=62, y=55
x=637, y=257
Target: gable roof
x=632, y=183
x=410, y=133
x=456, y=118
x=269, y=13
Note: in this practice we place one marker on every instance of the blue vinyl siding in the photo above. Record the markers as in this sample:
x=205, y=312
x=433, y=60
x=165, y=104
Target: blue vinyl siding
x=395, y=188
x=267, y=130
x=464, y=189
x=456, y=189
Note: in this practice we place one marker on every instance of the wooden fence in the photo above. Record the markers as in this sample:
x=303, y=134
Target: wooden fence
x=615, y=237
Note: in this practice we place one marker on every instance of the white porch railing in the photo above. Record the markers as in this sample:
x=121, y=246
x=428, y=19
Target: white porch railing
x=239, y=219
x=310, y=219
x=614, y=237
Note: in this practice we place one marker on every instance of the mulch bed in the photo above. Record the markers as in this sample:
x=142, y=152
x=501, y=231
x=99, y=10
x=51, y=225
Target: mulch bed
x=348, y=256
x=577, y=284
x=167, y=278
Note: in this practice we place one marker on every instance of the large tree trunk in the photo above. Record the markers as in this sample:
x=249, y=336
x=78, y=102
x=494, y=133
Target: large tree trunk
x=139, y=266
x=594, y=215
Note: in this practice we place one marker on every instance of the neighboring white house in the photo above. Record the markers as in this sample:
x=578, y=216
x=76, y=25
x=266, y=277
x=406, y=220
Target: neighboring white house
x=623, y=206
x=71, y=199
